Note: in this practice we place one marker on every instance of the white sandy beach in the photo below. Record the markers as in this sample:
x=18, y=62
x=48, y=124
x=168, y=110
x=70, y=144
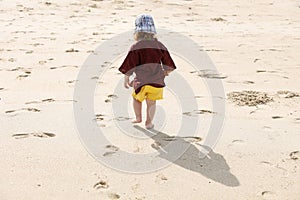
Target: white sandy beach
x=253, y=44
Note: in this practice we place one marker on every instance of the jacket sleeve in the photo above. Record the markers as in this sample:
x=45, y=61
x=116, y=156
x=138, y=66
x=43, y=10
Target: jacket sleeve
x=167, y=61
x=130, y=62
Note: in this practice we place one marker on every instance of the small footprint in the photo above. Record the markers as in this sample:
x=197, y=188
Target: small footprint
x=160, y=178
x=198, y=112
x=72, y=81
x=248, y=82
x=288, y=94
x=71, y=50
x=35, y=134
x=22, y=76
x=101, y=185
x=268, y=195
x=122, y=118
x=95, y=78
x=112, y=149
x=190, y=139
x=42, y=101
x=156, y=145
x=238, y=141
x=19, y=69
x=48, y=100
x=204, y=112
x=29, y=51
x=26, y=109
x=42, y=62
x=65, y=66
x=110, y=97
x=114, y=196
x=276, y=117
x=218, y=19
x=12, y=60
x=294, y=155
x=210, y=74
x=99, y=117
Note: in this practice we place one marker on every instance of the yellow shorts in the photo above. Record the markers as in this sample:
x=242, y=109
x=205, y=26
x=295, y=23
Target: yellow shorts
x=148, y=92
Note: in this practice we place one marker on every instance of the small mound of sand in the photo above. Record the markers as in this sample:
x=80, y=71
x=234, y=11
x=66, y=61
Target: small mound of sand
x=249, y=98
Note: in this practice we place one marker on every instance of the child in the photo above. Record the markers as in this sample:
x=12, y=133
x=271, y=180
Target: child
x=150, y=60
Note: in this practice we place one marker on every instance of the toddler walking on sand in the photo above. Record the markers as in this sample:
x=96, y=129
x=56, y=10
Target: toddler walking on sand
x=150, y=61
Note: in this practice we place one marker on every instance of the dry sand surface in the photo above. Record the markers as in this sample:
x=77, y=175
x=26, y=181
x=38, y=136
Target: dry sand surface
x=255, y=46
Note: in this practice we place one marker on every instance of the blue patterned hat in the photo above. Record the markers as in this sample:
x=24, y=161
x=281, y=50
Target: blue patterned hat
x=144, y=23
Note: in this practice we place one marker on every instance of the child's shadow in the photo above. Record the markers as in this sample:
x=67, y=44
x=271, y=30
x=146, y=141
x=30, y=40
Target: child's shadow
x=213, y=166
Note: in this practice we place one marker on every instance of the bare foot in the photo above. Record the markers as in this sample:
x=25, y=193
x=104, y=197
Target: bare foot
x=136, y=121
x=149, y=125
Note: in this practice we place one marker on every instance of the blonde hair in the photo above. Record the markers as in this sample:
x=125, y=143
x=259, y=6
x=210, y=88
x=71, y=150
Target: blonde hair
x=144, y=36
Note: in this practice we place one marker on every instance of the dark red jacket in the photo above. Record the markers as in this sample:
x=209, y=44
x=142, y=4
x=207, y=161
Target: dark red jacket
x=148, y=59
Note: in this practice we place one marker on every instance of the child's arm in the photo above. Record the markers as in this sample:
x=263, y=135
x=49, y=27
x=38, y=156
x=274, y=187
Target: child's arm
x=126, y=81
x=167, y=62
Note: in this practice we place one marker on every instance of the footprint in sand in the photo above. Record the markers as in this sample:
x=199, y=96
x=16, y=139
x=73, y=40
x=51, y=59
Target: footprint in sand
x=198, y=112
x=12, y=60
x=42, y=101
x=297, y=120
x=42, y=62
x=23, y=109
x=19, y=69
x=120, y=118
x=160, y=178
x=110, y=97
x=22, y=76
x=114, y=196
x=35, y=134
x=287, y=94
x=71, y=82
x=189, y=139
x=29, y=51
x=99, y=117
x=218, y=19
x=101, y=185
x=209, y=74
x=268, y=195
x=48, y=100
x=72, y=50
x=294, y=155
x=276, y=117
x=65, y=66
x=156, y=145
x=111, y=150
x=248, y=82
x=238, y=141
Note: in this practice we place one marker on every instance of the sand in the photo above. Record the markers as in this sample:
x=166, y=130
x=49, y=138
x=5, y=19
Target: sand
x=253, y=44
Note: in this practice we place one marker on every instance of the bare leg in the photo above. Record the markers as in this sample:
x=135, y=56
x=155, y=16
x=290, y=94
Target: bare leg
x=151, y=107
x=137, y=107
